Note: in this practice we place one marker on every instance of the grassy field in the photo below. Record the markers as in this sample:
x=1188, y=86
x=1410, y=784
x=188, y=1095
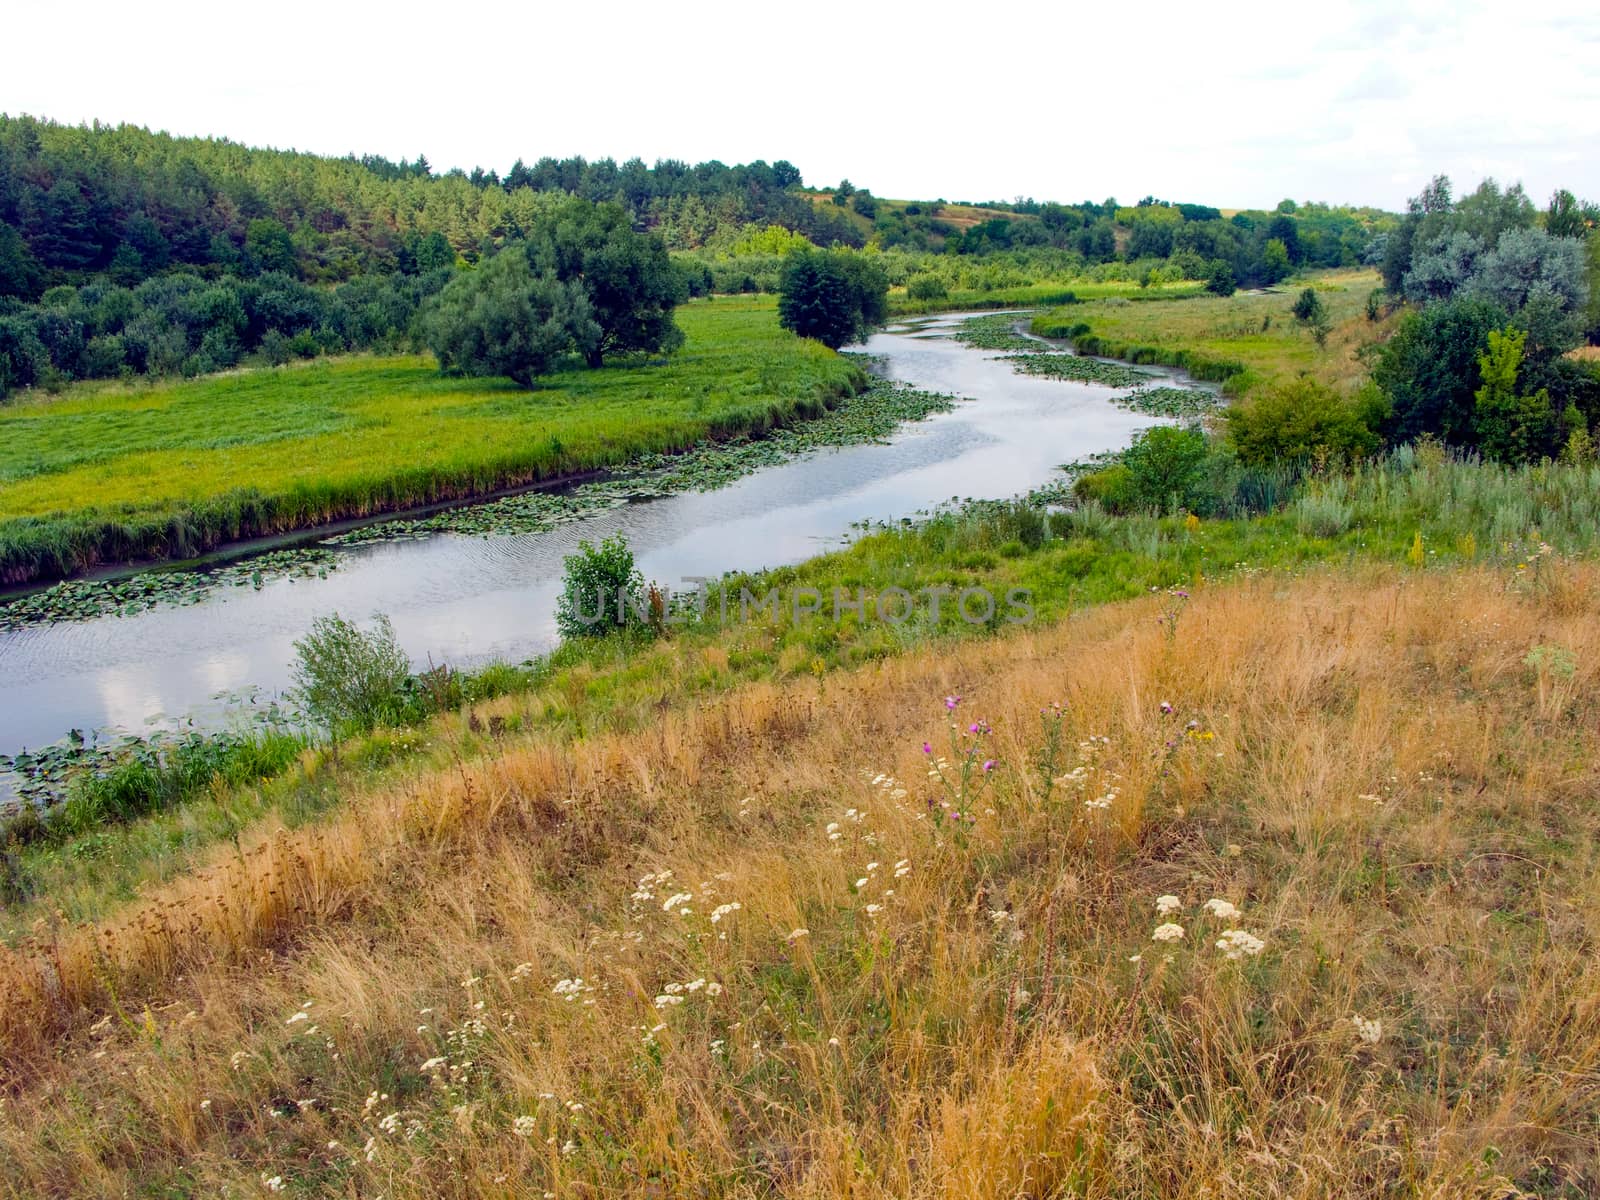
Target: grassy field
x=165, y=470
x=1241, y=918
x=1247, y=340
x=1041, y=295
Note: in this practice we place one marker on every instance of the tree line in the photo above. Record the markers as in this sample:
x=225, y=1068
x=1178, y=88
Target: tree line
x=582, y=281
x=81, y=204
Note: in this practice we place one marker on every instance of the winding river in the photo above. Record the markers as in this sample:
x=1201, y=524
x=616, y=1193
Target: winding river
x=465, y=599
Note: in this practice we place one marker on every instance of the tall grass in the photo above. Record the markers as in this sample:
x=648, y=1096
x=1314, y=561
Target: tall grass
x=748, y=948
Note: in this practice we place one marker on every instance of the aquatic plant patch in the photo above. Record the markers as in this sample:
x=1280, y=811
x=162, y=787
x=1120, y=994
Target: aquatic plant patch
x=1176, y=402
x=1078, y=369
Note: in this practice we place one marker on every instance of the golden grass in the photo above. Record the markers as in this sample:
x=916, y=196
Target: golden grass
x=1400, y=805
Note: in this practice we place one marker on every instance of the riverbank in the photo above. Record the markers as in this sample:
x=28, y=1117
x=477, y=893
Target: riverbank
x=865, y=415
x=1244, y=342
x=170, y=471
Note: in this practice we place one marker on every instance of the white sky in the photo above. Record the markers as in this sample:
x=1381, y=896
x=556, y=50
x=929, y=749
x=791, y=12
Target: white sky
x=1238, y=104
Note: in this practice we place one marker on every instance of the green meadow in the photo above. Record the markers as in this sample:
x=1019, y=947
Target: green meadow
x=119, y=472
x=1247, y=339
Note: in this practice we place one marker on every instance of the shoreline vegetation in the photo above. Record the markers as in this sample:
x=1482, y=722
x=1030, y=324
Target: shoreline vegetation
x=868, y=414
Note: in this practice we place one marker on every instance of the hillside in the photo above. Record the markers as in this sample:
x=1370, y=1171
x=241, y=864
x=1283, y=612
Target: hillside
x=1292, y=894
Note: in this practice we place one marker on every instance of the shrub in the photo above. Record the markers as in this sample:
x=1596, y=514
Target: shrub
x=1319, y=514
x=1307, y=306
x=1304, y=422
x=1221, y=280
x=926, y=287
x=506, y=319
x=1167, y=467
x=1109, y=489
x=348, y=680
x=601, y=591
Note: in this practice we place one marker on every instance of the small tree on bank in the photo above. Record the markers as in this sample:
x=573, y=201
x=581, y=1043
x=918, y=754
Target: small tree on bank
x=601, y=590
x=504, y=319
x=834, y=296
x=628, y=277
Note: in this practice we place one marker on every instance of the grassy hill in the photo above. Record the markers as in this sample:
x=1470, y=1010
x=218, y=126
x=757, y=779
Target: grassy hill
x=745, y=945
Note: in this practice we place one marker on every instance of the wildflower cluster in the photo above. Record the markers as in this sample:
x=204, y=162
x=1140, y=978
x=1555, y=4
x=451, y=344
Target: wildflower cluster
x=1052, y=723
x=558, y=1117
x=1235, y=944
x=573, y=990
x=1171, y=610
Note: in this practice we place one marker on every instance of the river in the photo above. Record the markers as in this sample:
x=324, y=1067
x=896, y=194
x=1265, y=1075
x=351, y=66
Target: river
x=465, y=599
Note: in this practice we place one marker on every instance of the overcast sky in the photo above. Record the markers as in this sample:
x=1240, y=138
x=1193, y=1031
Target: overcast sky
x=1235, y=105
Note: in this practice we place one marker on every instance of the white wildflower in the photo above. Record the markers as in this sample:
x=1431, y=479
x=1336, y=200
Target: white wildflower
x=1167, y=904
x=524, y=1126
x=665, y=1000
x=1221, y=909
x=1167, y=933
x=1236, y=944
x=1370, y=1032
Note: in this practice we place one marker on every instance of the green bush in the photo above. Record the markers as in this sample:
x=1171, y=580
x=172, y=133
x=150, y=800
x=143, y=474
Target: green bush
x=1110, y=488
x=926, y=287
x=1304, y=422
x=602, y=591
x=1321, y=515
x=1307, y=305
x=1168, y=468
x=1221, y=280
x=348, y=680
x=834, y=296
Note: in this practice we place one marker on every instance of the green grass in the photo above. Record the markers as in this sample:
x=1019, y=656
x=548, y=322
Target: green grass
x=1244, y=341
x=169, y=470
x=1040, y=295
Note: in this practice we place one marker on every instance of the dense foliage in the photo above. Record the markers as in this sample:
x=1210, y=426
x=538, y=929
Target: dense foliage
x=506, y=319
x=832, y=296
x=602, y=591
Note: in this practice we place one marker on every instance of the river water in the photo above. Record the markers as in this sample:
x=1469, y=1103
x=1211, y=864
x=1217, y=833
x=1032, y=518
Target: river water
x=465, y=599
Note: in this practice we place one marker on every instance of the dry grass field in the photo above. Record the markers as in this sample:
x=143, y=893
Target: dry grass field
x=1293, y=895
